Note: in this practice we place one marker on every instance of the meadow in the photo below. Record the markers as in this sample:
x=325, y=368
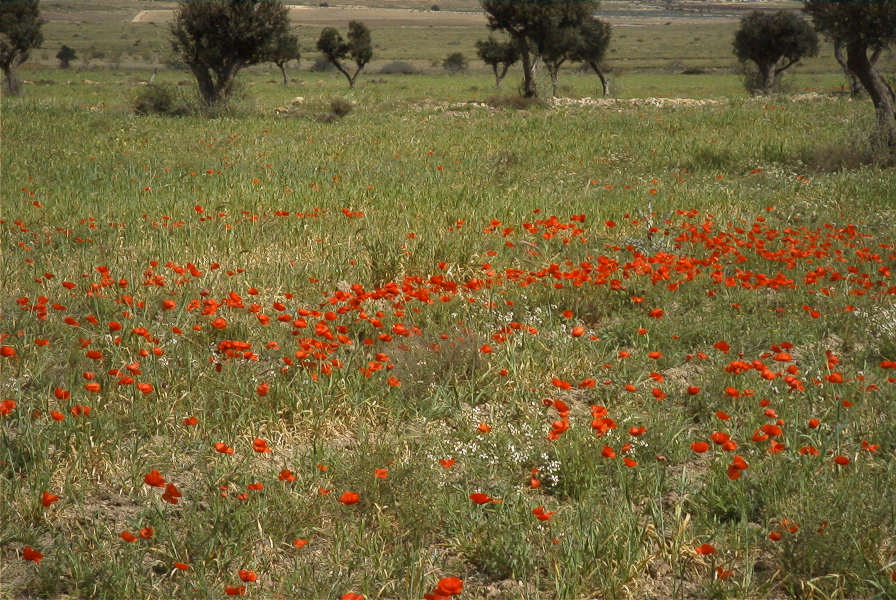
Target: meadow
x=440, y=346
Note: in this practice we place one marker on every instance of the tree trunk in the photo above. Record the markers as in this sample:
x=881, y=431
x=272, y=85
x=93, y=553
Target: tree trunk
x=12, y=83
x=766, y=78
x=283, y=71
x=554, y=72
x=206, y=86
x=348, y=76
x=604, y=84
x=529, y=89
x=855, y=87
x=878, y=89
x=497, y=79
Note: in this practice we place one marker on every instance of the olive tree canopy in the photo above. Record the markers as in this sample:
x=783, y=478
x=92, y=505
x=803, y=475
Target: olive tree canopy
x=20, y=32
x=863, y=29
x=774, y=41
x=217, y=38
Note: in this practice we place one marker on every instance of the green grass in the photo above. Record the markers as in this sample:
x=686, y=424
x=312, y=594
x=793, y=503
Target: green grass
x=443, y=263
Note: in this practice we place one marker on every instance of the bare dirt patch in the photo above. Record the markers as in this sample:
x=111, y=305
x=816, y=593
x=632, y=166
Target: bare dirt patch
x=340, y=15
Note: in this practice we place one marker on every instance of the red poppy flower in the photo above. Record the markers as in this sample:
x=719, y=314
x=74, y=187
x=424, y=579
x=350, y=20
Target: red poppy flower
x=127, y=536
x=223, y=448
x=171, y=494
x=249, y=576
x=381, y=473
x=699, y=447
x=147, y=532
x=154, y=478
x=705, y=549
x=841, y=460
x=286, y=475
x=447, y=463
x=47, y=499
x=541, y=514
x=450, y=586
x=348, y=498
x=299, y=543
x=180, y=566
x=260, y=445
x=79, y=410
x=189, y=421
x=351, y=596
x=29, y=553
x=483, y=428
x=235, y=590
x=480, y=498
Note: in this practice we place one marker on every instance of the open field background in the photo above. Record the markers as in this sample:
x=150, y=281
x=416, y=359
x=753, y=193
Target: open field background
x=637, y=347
x=648, y=38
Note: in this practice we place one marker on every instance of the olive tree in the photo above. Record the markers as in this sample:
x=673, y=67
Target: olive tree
x=218, y=38
x=538, y=28
x=591, y=47
x=864, y=29
x=500, y=56
x=285, y=49
x=586, y=42
x=65, y=56
x=774, y=41
x=20, y=32
x=555, y=48
x=358, y=48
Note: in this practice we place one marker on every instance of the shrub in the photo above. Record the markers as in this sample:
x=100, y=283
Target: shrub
x=160, y=99
x=515, y=102
x=455, y=63
x=340, y=107
x=398, y=67
x=321, y=65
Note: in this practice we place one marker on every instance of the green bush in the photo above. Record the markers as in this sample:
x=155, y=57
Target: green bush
x=160, y=99
x=398, y=67
x=455, y=63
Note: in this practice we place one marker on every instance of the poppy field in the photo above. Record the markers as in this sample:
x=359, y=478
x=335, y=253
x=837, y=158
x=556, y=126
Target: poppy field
x=438, y=350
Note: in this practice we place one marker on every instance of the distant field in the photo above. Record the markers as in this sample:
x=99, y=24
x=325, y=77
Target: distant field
x=132, y=34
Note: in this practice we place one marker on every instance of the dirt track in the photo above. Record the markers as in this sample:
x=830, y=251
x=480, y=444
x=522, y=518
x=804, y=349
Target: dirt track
x=401, y=17
x=372, y=17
